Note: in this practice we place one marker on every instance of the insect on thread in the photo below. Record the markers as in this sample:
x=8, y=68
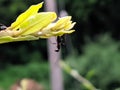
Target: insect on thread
x=60, y=42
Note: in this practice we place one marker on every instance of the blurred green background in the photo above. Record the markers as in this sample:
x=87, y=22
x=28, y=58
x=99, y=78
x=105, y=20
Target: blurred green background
x=95, y=47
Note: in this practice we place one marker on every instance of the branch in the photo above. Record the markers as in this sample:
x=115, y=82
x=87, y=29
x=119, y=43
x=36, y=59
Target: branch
x=74, y=73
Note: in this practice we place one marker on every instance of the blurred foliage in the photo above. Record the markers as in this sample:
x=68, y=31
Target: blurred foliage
x=82, y=8
x=99, y=63
x=22, y=53
x=35, y=71
x=93, y=17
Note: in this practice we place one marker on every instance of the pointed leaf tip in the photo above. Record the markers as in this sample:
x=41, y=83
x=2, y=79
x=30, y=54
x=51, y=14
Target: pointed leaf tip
x=33, y=9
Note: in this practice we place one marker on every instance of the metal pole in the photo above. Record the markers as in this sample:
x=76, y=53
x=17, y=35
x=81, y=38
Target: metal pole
x=54, y=57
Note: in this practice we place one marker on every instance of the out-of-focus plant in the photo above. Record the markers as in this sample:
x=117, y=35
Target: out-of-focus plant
x=74, y=73
x=99, y=63
x=82, y=8
x=32, y=25
x=37, y=71
x=27, y=84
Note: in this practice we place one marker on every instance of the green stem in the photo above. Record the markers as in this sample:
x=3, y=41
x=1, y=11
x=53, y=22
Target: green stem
x=74, y=73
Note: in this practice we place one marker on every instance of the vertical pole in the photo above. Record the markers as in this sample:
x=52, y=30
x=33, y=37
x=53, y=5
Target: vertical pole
x=54, y=57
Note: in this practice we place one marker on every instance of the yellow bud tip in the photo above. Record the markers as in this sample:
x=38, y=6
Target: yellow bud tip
x=40, y=4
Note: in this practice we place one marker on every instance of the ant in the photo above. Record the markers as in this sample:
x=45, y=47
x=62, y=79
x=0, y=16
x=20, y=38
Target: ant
x=60, y=42
x=2, y=27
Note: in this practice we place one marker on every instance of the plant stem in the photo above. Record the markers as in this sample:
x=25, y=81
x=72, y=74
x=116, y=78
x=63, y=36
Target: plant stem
x=74, y=73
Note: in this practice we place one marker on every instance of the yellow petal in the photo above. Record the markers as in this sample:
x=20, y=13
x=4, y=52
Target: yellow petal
x=22, y=17
x=62, y=32
x=60, y=24
x=36, y=23
x=69, y=26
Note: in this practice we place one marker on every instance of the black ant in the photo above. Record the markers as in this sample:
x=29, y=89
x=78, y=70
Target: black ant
x=60, y=42
x=2, y=27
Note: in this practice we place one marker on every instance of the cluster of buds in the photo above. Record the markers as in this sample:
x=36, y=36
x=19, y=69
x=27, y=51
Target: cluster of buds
x=32, y=25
